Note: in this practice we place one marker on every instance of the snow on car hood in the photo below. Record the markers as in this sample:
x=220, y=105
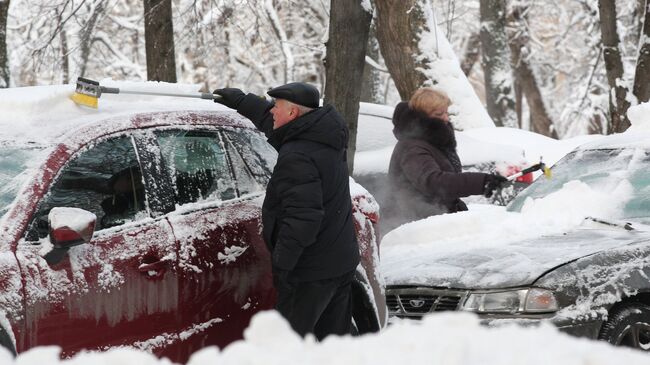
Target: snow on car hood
x=489, y=247
x=512, y=265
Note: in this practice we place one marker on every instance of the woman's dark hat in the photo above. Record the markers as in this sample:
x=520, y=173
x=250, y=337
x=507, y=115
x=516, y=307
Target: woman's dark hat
x=297, y=92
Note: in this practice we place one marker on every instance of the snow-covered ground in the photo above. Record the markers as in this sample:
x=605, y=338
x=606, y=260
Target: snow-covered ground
x=445, y=339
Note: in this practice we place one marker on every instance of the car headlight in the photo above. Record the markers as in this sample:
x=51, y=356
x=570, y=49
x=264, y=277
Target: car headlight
x=533, y=300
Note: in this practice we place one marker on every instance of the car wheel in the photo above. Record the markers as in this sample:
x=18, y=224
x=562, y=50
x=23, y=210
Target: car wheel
x=629, y=326
x=364, y=318
x=6, y=342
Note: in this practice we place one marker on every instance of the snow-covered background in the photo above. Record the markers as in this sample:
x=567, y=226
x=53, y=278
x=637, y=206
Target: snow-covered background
x=234, y=43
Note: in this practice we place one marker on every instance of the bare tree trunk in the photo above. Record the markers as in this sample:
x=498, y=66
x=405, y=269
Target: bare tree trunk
x=639, y=15
x=519, y=104
x=371, y=87
x=540, y=121
x=618, y=103
x=642, y=74
x=4, y=57
x=65, y=64
x=344, y=63
x=499, y=95
x=282, y=37
x=472, y=53
x=87, y=38
x=398, y=24
x=159, y=40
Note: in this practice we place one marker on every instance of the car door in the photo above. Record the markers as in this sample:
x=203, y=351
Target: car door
x=224, y=268
x=122, y=288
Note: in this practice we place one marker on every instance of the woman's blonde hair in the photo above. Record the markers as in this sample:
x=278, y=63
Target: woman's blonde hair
x=428, y=100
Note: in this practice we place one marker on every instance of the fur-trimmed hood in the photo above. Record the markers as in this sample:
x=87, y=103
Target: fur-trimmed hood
x=408, y=123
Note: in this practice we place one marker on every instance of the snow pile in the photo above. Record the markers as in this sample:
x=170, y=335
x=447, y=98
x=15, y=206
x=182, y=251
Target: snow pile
x=639, y=117
x=449, y=339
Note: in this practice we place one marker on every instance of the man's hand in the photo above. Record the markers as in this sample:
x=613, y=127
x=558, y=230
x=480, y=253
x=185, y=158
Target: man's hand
x=230, y=97
x=492, y=183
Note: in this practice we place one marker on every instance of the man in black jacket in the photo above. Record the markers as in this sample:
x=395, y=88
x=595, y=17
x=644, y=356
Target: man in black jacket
x=307, y=212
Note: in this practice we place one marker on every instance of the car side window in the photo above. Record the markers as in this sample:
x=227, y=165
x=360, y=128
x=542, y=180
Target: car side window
x=244, y=176
x=198, y=165
x=258, y=156
x=105, y=180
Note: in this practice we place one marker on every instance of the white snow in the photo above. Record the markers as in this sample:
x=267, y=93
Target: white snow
x=230, y=254
x=41, y=113
x=75, y=218
x=449, y=339
x=535, y=145
x=375, y=143
x=413, y=253
x=444, y=69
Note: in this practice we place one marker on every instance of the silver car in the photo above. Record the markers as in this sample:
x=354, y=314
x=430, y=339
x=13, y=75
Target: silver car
x=591, y=280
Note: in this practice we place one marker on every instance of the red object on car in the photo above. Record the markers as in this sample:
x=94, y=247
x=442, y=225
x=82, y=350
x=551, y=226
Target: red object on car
x=525, y=178
x=176, y=261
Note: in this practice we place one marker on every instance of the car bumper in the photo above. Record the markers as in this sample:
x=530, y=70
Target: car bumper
x=588, y=329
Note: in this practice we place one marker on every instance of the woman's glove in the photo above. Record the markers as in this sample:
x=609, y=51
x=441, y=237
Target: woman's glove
x=492, y=183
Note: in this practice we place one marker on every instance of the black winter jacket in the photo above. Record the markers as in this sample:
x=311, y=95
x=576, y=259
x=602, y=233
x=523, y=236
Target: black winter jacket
x=307, y=211
x=424, y=174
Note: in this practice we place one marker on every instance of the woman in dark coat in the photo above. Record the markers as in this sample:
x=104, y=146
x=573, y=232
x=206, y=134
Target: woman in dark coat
x=424, y=174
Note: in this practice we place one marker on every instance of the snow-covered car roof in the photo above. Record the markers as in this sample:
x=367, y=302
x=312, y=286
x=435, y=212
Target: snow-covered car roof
x=375, y=142
x=629, y=139
x=43, y=114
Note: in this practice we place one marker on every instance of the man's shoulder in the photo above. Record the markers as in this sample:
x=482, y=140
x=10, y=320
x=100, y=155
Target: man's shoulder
x=302, y=146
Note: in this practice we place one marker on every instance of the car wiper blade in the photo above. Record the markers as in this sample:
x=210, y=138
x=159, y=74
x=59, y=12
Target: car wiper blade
x=625, y=225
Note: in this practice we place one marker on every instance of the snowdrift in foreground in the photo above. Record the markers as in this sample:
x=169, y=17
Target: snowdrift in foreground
x=449, y=339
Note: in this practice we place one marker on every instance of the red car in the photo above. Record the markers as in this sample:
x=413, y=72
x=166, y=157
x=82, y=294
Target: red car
x=144, y=230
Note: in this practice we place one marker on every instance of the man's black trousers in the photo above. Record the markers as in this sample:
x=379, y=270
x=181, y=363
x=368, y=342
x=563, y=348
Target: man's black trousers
x=321, y=307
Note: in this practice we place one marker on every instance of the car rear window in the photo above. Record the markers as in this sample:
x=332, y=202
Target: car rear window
x=256, y=153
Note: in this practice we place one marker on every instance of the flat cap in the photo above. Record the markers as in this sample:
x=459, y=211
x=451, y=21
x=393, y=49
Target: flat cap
x=297, y=92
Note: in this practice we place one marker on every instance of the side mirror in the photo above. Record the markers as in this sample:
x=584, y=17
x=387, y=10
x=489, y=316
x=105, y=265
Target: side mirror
x=70, y=226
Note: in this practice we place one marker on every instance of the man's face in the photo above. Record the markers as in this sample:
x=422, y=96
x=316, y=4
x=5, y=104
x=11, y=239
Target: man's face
x=283, y=112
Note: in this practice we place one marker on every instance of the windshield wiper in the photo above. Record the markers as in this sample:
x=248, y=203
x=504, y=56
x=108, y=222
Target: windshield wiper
x=627, y=225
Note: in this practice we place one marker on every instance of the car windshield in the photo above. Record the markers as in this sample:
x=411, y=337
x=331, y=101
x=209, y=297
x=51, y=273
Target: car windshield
x=15, y=164
x=604, y=171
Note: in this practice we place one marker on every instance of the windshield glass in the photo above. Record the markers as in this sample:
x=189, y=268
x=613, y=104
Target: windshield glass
x=15, y=162
x=603, y=171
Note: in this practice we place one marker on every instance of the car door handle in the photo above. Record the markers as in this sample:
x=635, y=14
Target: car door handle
x=154, y=269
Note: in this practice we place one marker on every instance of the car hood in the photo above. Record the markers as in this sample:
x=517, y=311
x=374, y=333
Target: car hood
x=510, y=265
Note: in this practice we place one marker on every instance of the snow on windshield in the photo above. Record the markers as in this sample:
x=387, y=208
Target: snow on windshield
x=621, y=173
x=409, y=252
x=269, y=340
x=16, y=165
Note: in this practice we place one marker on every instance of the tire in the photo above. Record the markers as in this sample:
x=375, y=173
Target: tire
x=6, y=342
x=364, y=318
x=629, y=326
